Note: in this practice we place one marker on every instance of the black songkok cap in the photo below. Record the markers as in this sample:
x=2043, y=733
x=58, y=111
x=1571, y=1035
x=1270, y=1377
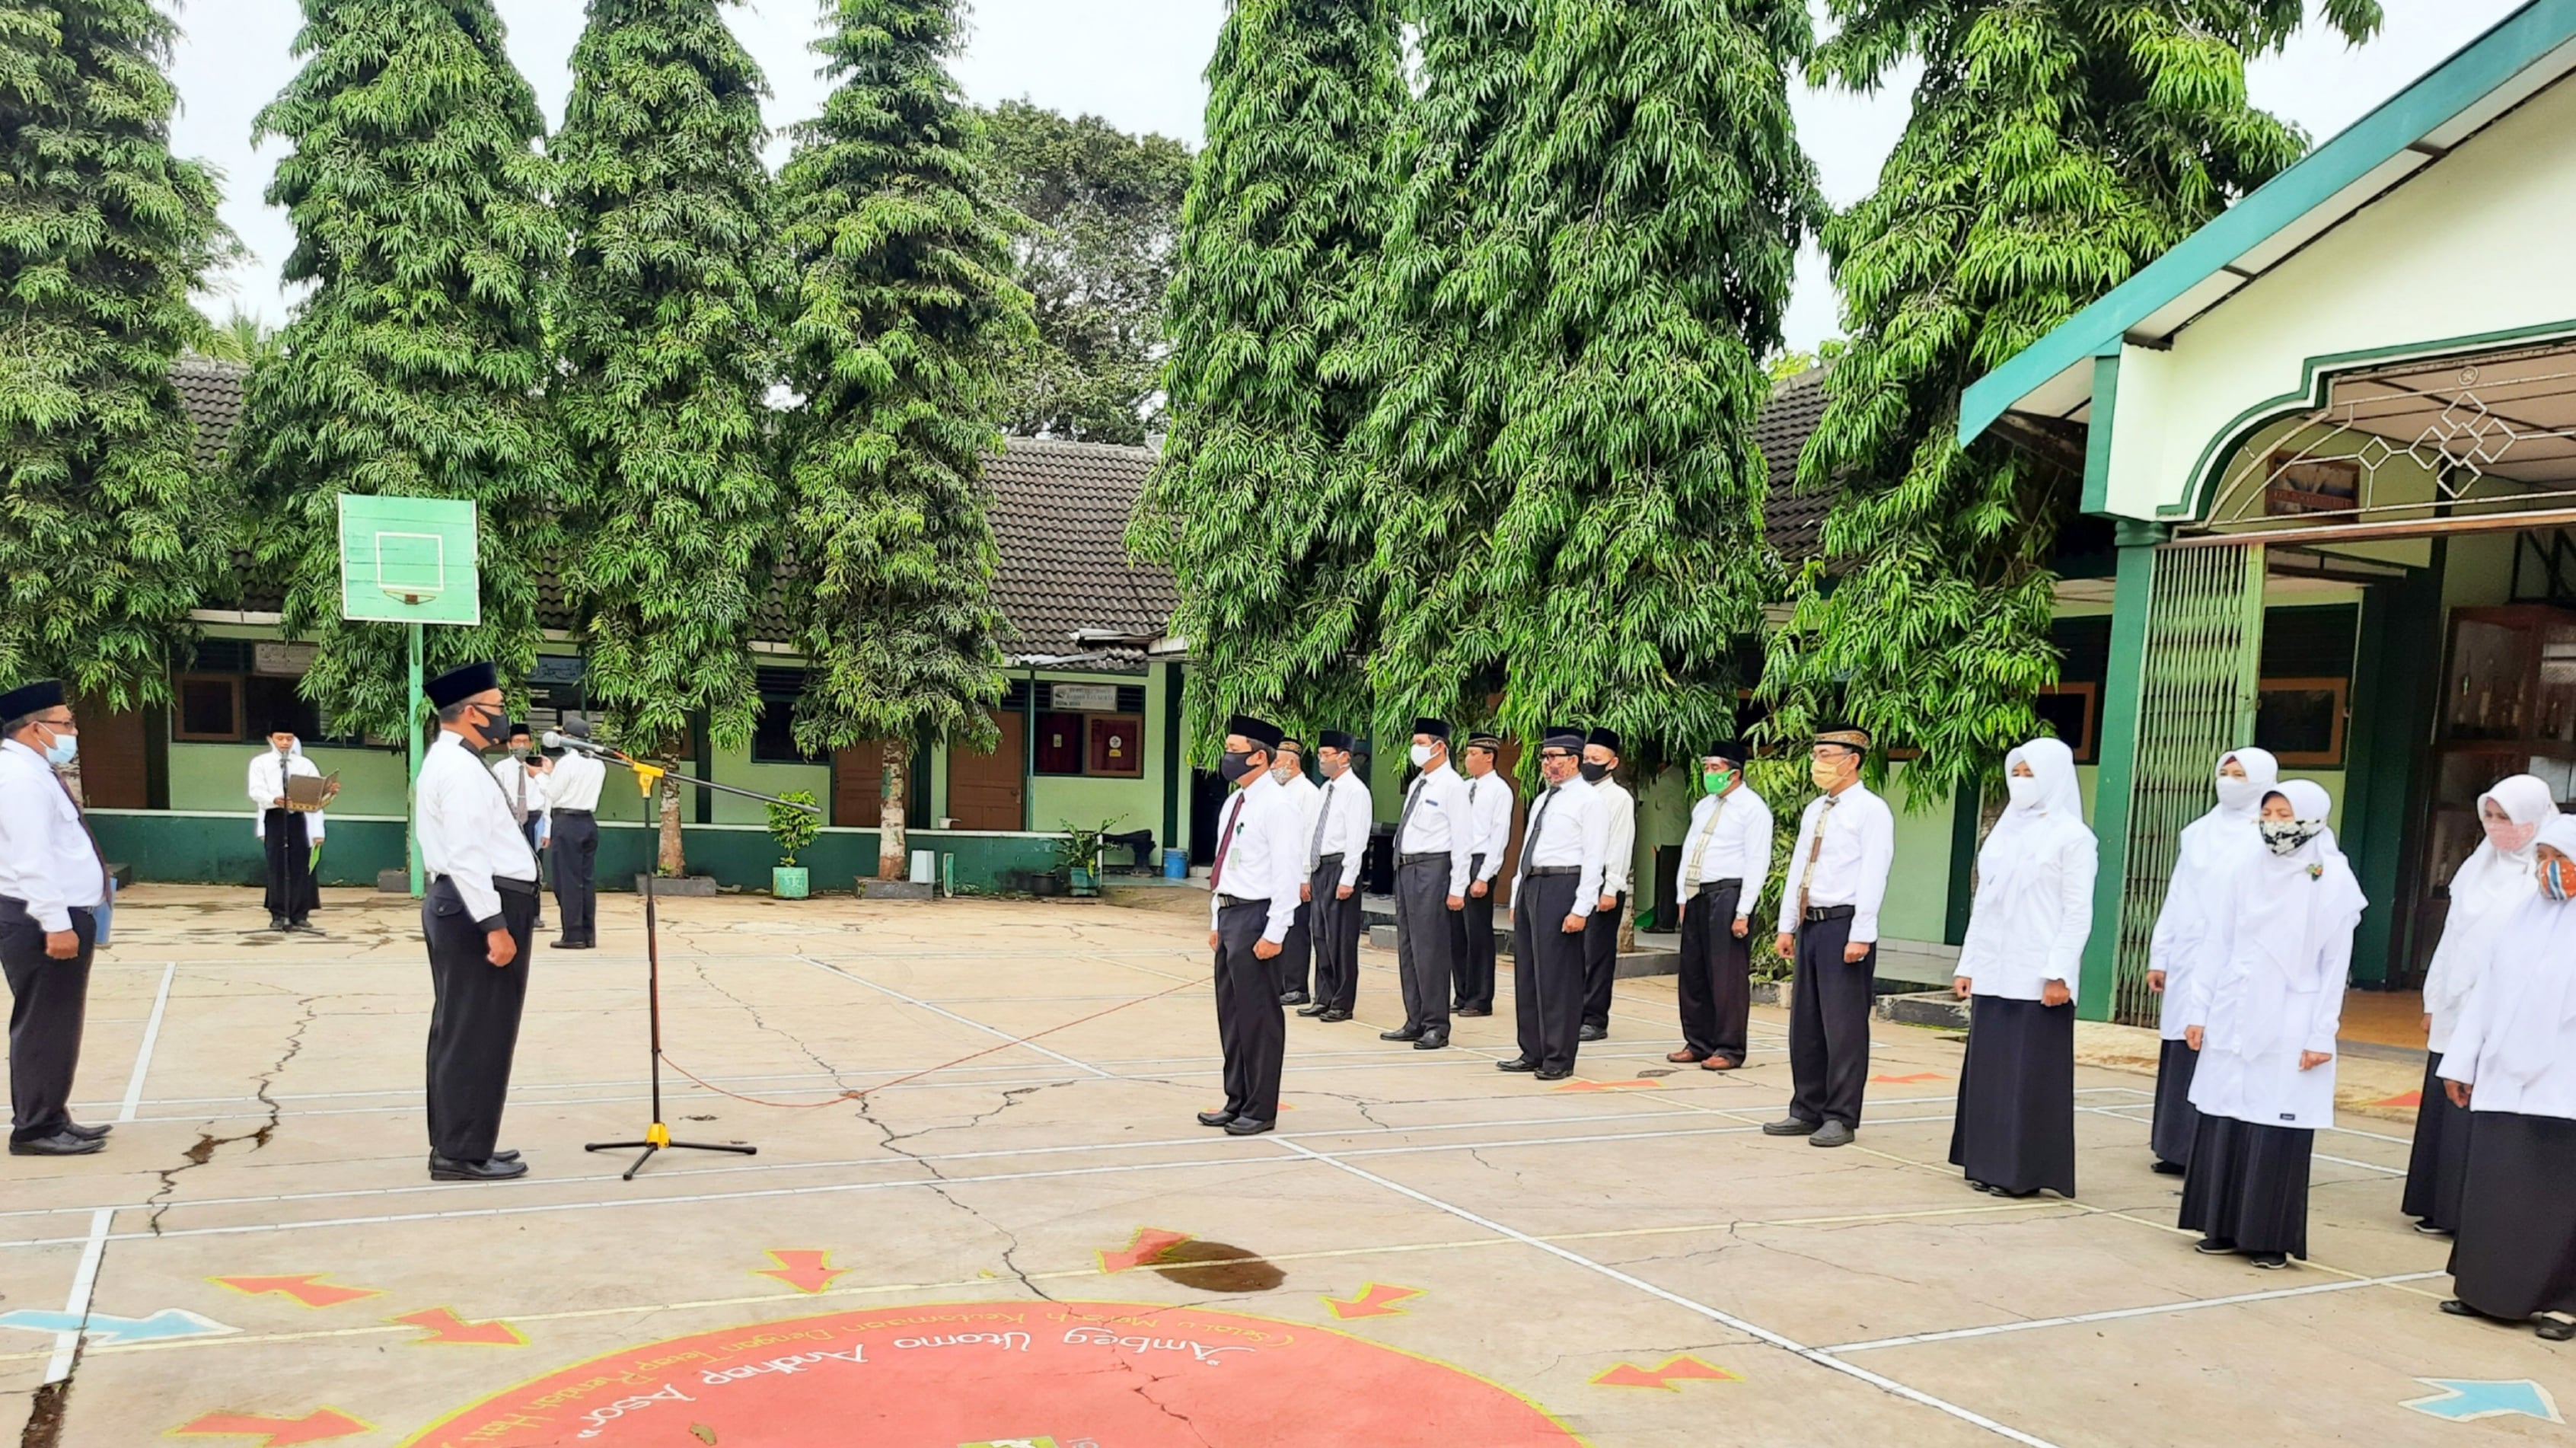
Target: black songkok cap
x=1336, y=739
x=27, y=699
x=1260, y=732
x=1731, y=750
x=1564, y=736
x=1436, y=728
x=283, y=724
x=520, y=730
x=1606, y=738
x=458, y=685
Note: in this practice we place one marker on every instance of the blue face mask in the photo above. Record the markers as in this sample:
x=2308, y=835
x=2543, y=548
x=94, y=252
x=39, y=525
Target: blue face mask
x=64, y=749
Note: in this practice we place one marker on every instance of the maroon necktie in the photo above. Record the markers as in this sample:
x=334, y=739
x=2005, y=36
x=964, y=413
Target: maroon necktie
x=1225, y=842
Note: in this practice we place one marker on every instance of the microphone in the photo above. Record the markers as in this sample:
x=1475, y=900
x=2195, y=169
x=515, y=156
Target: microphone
x=556, y=740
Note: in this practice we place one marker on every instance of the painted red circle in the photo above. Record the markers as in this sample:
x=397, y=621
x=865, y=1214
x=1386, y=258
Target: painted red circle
x=1012, y=1374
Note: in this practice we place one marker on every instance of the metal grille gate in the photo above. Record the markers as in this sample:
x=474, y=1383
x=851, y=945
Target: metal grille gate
x=2197, y=701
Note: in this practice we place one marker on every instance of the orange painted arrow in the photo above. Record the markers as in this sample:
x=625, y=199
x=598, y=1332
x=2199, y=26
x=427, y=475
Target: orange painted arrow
x=277, y=1432
x=804, y=1271
x=1375, y=1300
x=1637, y=1085
x=446, y=1327
x=1907, y=1080
x=2411, y=1098
x=1629, y=1375
x=308, y=1289
x=1149, y=1243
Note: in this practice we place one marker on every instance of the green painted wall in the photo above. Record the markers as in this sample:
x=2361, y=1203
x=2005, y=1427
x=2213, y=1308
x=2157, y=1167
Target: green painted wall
x=1918, y=886
x=215, y=777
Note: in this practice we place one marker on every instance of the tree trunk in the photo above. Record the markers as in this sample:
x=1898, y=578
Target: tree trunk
x=891, y=853
x=674, y=862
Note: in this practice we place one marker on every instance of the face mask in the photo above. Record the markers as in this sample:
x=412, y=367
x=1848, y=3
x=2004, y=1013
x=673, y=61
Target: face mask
x=1235, y=765
x=2557, y=880
x=1824, y=774
x=2022, y=789
x=2286, y=836
x=1421, y=756
x=1284, y=772
x=2238, y=793
x=64, y=749
x=2510, y=838
x=519, y=751
x=1716, y=781
x=1594, y=773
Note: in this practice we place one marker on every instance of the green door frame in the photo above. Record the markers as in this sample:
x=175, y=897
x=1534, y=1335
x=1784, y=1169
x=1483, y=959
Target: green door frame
x=2122, y=690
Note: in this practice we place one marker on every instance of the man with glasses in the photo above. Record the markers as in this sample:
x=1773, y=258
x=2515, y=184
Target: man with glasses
x=479, y=917
x=52, y=882
x=1563, y=856
x=1836, y=880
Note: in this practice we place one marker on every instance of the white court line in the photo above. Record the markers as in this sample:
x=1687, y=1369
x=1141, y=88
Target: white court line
x=947, y=1014
x=2119, y=1313
x=76, y=1303
x=1817, y=1356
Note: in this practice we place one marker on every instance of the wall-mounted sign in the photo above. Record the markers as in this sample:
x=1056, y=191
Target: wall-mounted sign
x=556, y=669
x=282, y=660
x=1084, y=698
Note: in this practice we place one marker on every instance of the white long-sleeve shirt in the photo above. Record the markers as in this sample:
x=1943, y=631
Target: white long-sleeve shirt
x=1619, y=816
x=267, y=785
x=1344, y=812
x=1309, y=799
x=1489, y=810
x=1567, y=828
x=2029, y=923
x=1265, y=855
x=1729, y=839
x=1436, y=822
x=574, y=783
x=47, y=861
x=526, y=789
x=1859, y=846
x=467, y=832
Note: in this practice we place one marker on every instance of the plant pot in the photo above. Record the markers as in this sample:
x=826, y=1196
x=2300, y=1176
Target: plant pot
x=1085, y=882
x=1045, y=885
x=789, y=882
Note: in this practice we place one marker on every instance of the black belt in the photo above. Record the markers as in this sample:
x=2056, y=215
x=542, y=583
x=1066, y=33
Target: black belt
x=1549, y=872
x=576, y=813
x=1323, y=862
x=1707, y=885
x=1418, y=857
x=1230, y=901
x=505, y=884
x=1819, y=914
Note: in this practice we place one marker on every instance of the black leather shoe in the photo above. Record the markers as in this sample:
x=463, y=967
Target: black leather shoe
x=1791, y=1126
x=2550, y=1329
x=1432, y=1041
x=2169, y=1168
x=1334, y=1017
x=495, y=1170
x=1593, y=1033
x=2457, y=1308
x=1246, y=1126
x=1555, y=1075
x=1294, y=998
x=1516, y=1064
x=1216, y=1118
x=61, y=1143
x=505, y=1156
x=565, y=945
x=1407, y=1034
x=1832, y=1133
x=86, y=1133
x=1313, y=1009
x=277, y=924
x=1472, y=1011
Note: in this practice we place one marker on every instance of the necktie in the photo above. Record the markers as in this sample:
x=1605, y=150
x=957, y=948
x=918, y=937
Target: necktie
x=1224, y=843
x=523, y=791
x=1529, y=846
x=1807, y=877
x=1404, y=822
x=1323, y=817
x=1707, y=837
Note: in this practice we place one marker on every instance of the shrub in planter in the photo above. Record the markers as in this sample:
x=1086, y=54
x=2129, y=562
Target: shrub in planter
x=793, y=829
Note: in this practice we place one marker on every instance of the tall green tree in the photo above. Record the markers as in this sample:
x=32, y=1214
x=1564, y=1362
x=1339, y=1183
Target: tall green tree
x=903, y=312
x=1261, y=504
x=1453, y=286
x=661, y=325
x=1665, y=196
x=112, y=534
x=2056, y=146
x=416, y=365
x=1104, y=214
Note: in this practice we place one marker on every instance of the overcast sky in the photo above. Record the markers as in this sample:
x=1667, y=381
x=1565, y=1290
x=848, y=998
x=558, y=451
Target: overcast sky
x=1138, y=63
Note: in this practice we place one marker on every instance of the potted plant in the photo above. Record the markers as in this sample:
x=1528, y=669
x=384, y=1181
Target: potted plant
x=793, y=829
x=1078, y=853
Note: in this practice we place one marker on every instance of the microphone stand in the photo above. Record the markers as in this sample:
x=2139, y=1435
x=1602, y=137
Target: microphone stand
x=657, y=1137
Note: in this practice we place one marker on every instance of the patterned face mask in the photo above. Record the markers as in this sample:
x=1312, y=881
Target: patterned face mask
x=2286, y=836
x=2557, y=879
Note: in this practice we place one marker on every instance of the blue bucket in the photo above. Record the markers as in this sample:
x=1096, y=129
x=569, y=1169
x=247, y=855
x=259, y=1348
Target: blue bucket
x=1176, y=864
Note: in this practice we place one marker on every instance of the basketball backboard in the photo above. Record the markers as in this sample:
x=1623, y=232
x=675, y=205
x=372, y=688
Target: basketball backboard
x=408, y=560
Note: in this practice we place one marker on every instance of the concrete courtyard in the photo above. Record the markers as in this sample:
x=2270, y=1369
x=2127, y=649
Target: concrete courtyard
x=954, y=1236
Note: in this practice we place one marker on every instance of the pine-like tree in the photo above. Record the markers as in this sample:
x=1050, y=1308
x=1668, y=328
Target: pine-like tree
x=112, y=533
x=1663, y=196
x=1262, y=504
x=1451, y=290
x=903, y=312
x=415, y=366
x=2054, y=149
x=660, y=321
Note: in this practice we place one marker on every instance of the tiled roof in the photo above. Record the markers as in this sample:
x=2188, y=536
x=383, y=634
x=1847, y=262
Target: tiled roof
x=212, y=393
x=1794, y=519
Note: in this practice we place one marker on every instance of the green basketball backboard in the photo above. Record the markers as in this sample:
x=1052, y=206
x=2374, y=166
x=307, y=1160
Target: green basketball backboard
x=408, y=560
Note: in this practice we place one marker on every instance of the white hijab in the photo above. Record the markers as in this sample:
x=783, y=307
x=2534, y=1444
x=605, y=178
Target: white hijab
x=2301, y=899
x=2487, y=889
x=2047, y=804
x=2535, y=957
x=2242, y=799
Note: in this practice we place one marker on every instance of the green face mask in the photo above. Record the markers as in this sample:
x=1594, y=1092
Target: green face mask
x=1716, y=781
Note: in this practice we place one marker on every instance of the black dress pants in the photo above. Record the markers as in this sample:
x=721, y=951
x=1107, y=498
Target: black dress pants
x=1251, y=1028
x=1422, y=943
x=48, y=1002
x=1716, y=984
x=1297, y=951
x=1474, y=950
x=474, y=1023
x=291, y=894
x=1601, y=962
x=1337, y=926
x=1829, y=1024
x=576, y=862
x=1547, y=971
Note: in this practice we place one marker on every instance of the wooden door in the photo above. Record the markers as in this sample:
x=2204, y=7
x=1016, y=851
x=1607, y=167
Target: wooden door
x=858, y=785
x=114, y=758
x=985, y=790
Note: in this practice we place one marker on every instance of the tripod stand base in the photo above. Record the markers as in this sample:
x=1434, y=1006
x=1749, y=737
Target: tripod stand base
x=658, y=1138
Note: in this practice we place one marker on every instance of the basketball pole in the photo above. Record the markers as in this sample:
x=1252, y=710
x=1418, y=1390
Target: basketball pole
x=411, y=830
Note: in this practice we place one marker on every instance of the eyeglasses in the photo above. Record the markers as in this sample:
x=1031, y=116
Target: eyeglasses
x=1556, y=754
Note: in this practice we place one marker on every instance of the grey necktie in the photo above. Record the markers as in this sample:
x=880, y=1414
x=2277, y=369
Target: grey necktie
x=1529, y=846
x=1404, y=822
x=1323, y=818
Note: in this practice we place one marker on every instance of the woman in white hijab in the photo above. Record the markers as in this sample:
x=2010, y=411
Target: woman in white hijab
x=2215, y=848
x=2512, y=1063
x=2494, y=883
x=2262, y=1009
x=2021, y=962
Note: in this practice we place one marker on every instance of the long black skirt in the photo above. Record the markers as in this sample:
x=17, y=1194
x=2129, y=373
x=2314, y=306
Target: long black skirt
x=2515, y=1254
x=2248, y=1185
x=2176, y=1117
x=2015, y=1127
x=2440, y=1162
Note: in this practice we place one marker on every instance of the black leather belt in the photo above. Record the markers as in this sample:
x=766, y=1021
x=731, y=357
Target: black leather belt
x=1328, y=862
x=1229, y=902
x=1819, y=914
x=1420, y=857
x=505, y=884
x=1705, y=886
x=1550, y=872
x=576, y=813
